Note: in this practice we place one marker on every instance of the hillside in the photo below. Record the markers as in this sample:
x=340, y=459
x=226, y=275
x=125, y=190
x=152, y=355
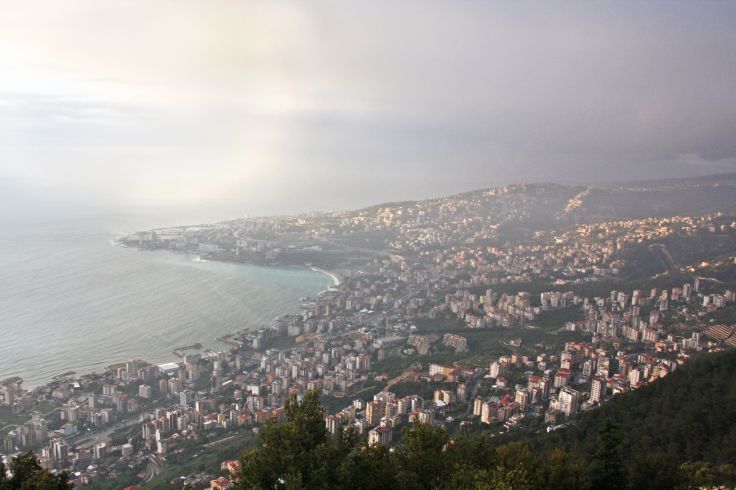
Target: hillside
x=647, y=228
x=679, y=432
x=520, y=212
x=688, y=417
x=544, y=204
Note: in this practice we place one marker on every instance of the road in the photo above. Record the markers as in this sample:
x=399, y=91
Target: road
x=154, y=467
x=411, y=373
x=89, y=438
x=473, y=392
x=672, y=264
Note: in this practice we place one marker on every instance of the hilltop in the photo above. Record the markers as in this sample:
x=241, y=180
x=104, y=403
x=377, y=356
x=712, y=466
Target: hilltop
x=547, y=204
x=496, y=219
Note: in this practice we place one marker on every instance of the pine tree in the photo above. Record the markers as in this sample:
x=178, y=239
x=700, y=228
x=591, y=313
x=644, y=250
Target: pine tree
x=606, y=471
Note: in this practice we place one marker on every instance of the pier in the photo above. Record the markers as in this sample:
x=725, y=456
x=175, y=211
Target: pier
x=179, y=351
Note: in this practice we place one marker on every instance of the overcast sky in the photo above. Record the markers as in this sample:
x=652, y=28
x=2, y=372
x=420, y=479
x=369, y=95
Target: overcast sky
x=280, y=106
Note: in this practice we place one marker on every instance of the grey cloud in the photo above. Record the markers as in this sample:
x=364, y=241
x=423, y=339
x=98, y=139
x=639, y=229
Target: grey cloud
x=331, y=105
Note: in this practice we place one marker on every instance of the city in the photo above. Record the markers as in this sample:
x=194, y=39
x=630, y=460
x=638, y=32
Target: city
x=327, y=245
x=450, y=326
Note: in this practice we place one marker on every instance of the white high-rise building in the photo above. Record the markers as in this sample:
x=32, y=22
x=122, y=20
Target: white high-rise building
x=598, y=389
x=568, y=401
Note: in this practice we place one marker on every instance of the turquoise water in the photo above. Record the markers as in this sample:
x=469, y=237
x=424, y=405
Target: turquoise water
x=71, y=300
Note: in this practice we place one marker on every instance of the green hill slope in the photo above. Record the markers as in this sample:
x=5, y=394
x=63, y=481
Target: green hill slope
x=666, y=430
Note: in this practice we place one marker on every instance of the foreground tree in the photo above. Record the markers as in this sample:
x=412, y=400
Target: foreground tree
x=606, y=471
x=301, y=454
x=701, y=474
x=28, y=474
x=367, y=467
x=559, y=470
x=422, y=457
x=298, y=453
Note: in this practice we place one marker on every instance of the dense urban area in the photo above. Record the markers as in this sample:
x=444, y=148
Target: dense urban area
x=480, y=313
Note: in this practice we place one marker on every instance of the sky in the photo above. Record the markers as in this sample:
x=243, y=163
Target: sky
x=267, y=107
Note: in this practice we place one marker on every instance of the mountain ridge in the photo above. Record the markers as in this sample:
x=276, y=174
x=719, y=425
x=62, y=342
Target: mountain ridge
x=626, y=195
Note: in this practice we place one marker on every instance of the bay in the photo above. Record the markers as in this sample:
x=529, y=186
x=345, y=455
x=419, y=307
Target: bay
x=70, y=300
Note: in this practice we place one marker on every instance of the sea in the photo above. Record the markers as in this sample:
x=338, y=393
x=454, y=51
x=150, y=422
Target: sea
x=73, y=300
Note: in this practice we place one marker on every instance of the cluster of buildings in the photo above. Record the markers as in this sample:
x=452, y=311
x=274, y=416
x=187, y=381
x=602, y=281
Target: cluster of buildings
x=503, y=310
x=440, y=259
x=636, y=338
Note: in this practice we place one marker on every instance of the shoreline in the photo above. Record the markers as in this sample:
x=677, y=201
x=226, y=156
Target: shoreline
x=335, y=276
x=332, y=275
x=105, y=364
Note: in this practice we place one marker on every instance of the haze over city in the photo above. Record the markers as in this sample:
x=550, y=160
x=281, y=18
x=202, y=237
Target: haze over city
x=271, y=107
x=412, y=245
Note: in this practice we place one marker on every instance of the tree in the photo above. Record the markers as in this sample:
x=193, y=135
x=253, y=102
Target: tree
x=606, y=471
x=559, y=471
x=474, y=452
x=652, y=426
x=47, y=481
x=505, y=478
x=296, y=454
x=421, y=459
x=368, y=467
x=3, y=476
x=28, y=474
x=655, y=471
x=701, y=474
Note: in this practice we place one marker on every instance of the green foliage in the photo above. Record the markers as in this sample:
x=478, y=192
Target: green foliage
x=642, y=261
x=688, y=416
x=685, y=419
x=124, y=434
x=421, y=459
x=561, y=471
x=334, y=404
x=29, y=475
x=300, y=454
x=448, y=323
x=675, y=433
x=606, y=471
x=701, y=474
x=294, y=454
x=555, y=319
x=367, y=467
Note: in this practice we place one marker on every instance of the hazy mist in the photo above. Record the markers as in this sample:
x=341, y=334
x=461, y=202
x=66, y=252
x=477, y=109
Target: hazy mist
x=224, y=108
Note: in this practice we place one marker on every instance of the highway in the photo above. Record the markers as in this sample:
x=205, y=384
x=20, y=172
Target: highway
x=86, y=439
x=154, y=467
